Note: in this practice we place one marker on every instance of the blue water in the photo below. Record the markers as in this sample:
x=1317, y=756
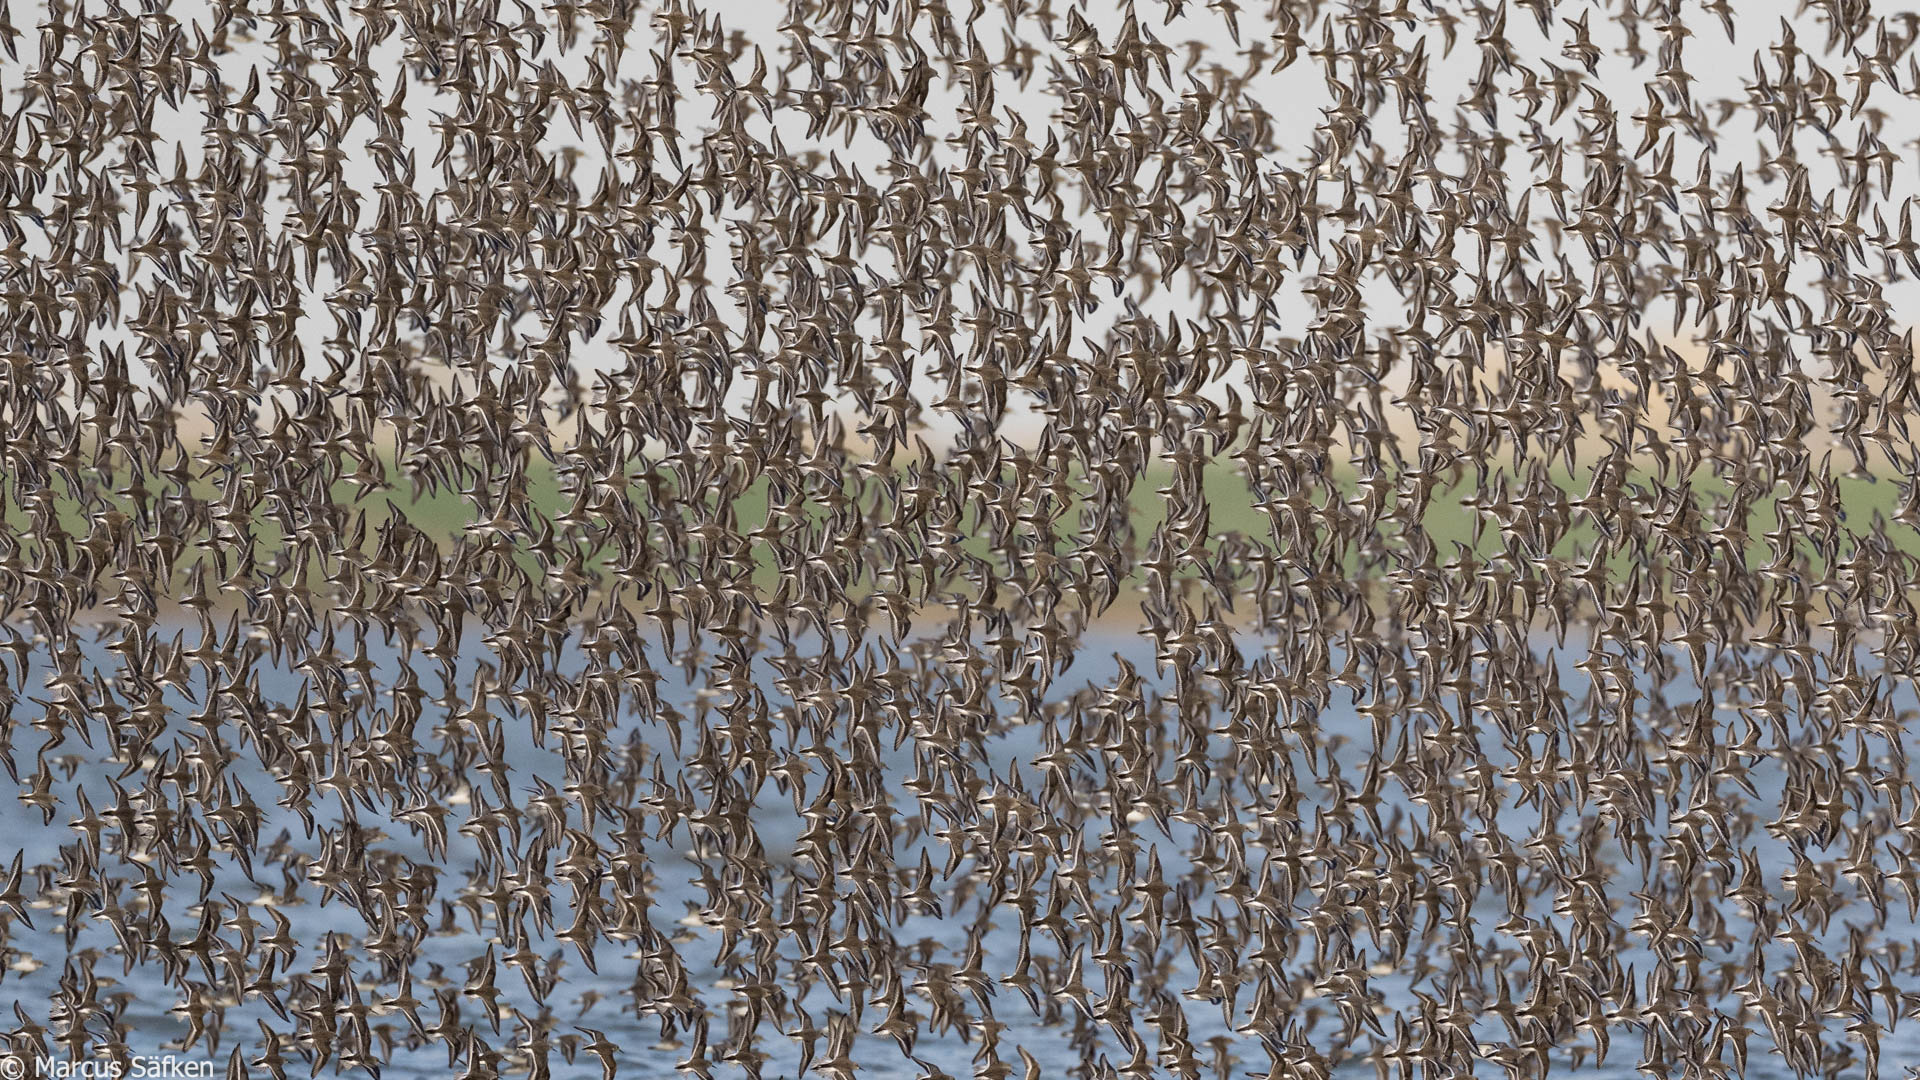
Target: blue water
x=685, y=863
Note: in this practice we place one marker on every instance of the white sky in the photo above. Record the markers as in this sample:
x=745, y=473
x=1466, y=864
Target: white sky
x=1294, y=98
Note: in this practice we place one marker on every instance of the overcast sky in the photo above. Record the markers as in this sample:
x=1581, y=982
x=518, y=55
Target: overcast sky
x=1720, y=68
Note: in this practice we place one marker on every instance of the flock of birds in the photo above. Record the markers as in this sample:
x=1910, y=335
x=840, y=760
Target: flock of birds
x=1244, y=557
